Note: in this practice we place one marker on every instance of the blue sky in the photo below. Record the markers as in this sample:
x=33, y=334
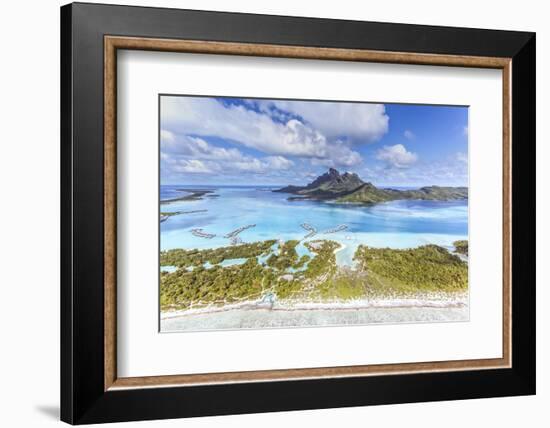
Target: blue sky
x=205, y=140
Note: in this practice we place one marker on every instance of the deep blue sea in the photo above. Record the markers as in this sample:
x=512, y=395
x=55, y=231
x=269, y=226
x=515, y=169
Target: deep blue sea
x=398, y=224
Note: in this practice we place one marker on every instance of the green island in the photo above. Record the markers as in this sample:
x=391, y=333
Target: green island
x=349, y=188
x=164, y=215
x=274, y=269
x=192, y=195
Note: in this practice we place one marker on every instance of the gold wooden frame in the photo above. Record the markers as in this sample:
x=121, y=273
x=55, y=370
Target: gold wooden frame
x=113, y=43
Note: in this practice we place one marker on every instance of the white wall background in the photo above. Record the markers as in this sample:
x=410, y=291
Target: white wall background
x=29, y=214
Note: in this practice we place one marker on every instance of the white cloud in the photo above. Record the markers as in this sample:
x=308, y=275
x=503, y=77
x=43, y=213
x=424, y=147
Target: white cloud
x=396, y=156
x=278, y=162
x=207, y=117
x=465, y=131
x=252, y=165
x=449, y=171
x=349, y=158
x=360, y=122
x=166, y=137
x=442, y=173
x=185, y=154
x=263, y=165
x=192, y=166
x=339, y=155
x=196, y=148
x=409, y=135
x=264, y=132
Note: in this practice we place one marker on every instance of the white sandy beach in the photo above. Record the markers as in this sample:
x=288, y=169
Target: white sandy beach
x=255, y=314
x=266, y=318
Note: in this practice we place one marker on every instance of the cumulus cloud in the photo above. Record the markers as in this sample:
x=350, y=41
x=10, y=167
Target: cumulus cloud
x=442, y=173
x=166, y=137
x=191, y=166
x=278, y=162
x=208, y=117
x=186, y=154
x=277, y=132
x=196, y=148
x=339, y=154
x=360, y=122
x=396, y=156
x=272, y=164
x=346, y=157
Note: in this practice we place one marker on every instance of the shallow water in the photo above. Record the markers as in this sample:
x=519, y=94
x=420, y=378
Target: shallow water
x=397, y=224
x=232, y=262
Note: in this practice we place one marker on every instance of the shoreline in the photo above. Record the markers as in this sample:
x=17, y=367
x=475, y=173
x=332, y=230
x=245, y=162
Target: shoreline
x=431, y=300
x=194, y=195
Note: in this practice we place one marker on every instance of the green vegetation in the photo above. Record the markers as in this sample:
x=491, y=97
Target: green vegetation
x=379, y=272
x=305, y=284
x=324, y=261
x=287, y=257
x=327, y=185
x=186, y=258
x=213, y=286
x=169, y=214
x=303, y=260
x=344, y=286
x=461, y=247
x=349, y=188
x=426, y=268
x=288, y=288
x=370, y=194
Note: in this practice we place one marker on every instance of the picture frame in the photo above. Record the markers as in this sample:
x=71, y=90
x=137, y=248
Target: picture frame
x=91, y=390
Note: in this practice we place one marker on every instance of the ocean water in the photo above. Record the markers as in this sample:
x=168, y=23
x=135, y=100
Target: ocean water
x=397, y=224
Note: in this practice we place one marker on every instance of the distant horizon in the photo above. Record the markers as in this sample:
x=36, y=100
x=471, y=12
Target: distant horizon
x=305, y=183
x=283, y=185
x=291, y=142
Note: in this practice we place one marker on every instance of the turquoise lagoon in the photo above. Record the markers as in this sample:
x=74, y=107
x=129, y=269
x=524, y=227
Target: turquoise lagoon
x=397, y=224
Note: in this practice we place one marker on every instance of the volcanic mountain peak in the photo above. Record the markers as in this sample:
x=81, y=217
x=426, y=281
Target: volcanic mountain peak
x=348, y=187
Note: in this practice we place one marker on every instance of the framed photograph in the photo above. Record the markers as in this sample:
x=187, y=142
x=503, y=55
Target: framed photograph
x=265, y=213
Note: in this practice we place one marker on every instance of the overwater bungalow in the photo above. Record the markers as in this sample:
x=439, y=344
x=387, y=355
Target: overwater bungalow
x=338, y=228
x=310, y=228
x=201, y=234
x=235, y=232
